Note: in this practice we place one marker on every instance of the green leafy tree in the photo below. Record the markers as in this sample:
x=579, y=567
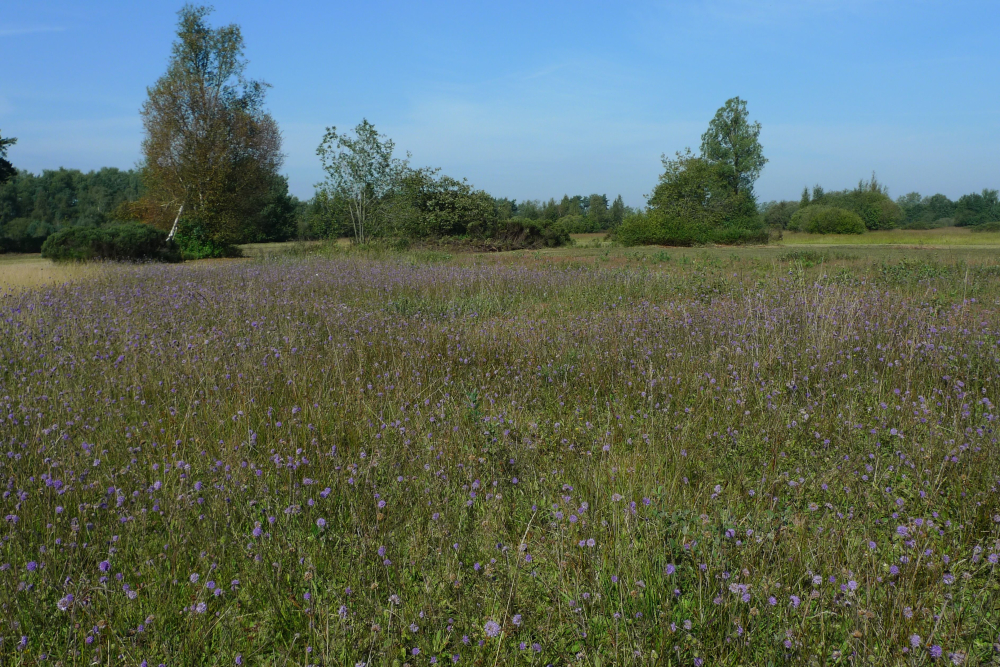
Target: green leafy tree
x=694, y=204
x=617, y=212
x=939, y=207
x=362, y=172
x=597, y=212
x=210, y=149
x=977, y=208
x=733, y=143
x=7, y=170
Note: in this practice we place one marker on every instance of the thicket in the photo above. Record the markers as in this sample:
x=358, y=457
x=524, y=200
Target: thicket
x=818, y=219
x=694, y=205
x=117, y=242
x=373, y=196
x=706, y=198
x=870, y=200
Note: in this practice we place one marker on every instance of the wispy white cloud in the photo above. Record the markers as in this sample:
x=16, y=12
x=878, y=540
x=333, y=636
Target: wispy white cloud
x=10, y=31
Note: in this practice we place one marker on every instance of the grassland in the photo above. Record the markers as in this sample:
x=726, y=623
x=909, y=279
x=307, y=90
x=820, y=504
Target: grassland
x=941, y=237
x=19, y=271
x=592, y=455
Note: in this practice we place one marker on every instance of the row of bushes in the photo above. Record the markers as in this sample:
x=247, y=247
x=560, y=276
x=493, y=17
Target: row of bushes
x=826, y=220
x=118, y=242
x=649, y=228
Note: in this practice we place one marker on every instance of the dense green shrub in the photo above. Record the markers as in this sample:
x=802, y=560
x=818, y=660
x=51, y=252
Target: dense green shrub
x=121, y=242
x=987, y=227
x=976, y=209
x=657, y=228
x=693, y=205
x=194, y=243
x=525, y=233
x=826, y=220
x=870, y=201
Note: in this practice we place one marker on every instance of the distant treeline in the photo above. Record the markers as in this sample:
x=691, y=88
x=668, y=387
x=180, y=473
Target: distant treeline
x=870, y=203
x=33, y=207
x=430, y=207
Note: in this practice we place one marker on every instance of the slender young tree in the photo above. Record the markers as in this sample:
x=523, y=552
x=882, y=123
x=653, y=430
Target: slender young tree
x=211, y=151
x=7, y=170
x=361, y=171
x=732, y=143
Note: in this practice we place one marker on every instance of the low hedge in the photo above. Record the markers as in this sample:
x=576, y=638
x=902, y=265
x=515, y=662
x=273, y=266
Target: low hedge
x=653, y=228
x=130, y=241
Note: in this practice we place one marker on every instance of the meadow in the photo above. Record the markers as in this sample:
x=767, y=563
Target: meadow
x=591, y=455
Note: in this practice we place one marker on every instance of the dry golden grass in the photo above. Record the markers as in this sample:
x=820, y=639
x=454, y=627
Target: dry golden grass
x=17, y=271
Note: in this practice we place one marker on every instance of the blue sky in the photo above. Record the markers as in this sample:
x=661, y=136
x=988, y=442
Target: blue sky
x=537, y=99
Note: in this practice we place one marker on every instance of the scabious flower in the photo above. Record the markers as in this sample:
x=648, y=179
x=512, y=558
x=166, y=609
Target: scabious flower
x=492, y=629
x=517, y=619
x=670, y=569
x=104, y=566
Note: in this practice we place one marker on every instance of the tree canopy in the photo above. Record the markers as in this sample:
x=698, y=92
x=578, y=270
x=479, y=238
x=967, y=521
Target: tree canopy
x=732, y=143
x=361, y=172
x=209, y=146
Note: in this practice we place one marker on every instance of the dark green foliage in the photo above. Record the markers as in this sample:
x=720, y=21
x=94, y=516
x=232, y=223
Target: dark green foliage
x=926, y=212
x=870, y=200
x=732, y=144
x=32, y=207
x=977, y=208
x=277, y=218
x=988, y=227
x=579, y=214
x=617, y=213
x=819, y=219
x=24, y=235
x=195, y=242
x=322, y=217
x=693, y=205
x=118, y=242
x=778, y=214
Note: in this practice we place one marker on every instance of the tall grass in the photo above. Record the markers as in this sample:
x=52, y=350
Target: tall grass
x=409, y=460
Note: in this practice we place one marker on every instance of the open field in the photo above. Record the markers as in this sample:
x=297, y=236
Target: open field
x=944, y=236
x=18, y=271
x=592, y=455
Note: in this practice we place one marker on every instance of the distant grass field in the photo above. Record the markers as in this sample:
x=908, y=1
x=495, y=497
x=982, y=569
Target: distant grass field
x=590, y=456
x=945, y=236
x=18, y=271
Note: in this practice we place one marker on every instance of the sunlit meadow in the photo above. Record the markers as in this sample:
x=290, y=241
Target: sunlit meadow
x=356, y=459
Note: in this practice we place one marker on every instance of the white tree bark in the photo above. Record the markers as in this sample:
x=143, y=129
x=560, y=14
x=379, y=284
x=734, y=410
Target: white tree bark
x=173, y=229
